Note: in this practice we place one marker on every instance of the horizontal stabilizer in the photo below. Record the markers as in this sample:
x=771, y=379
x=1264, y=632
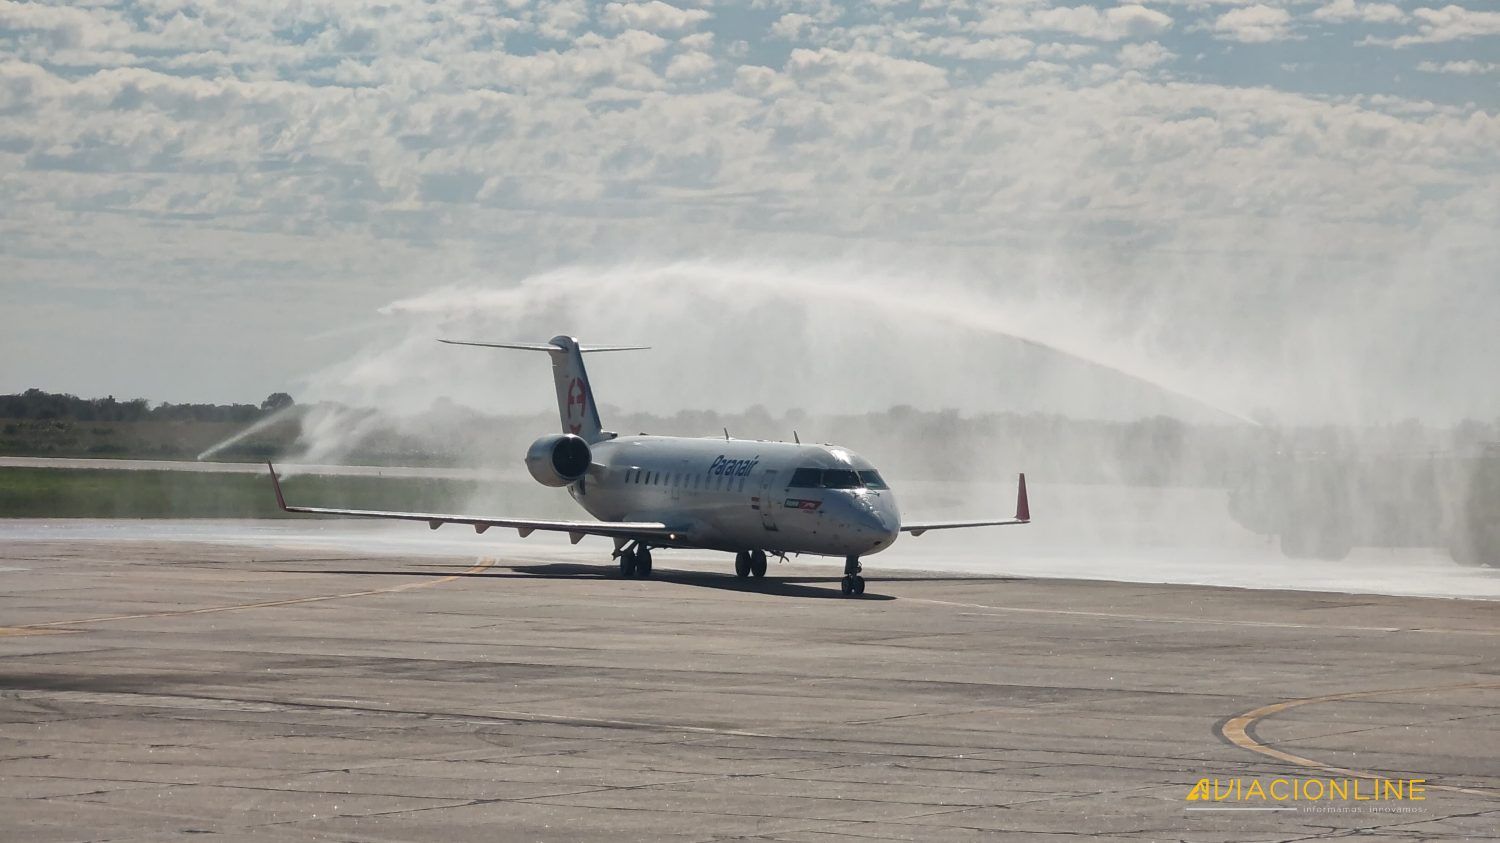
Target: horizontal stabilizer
x=576, y=408
x=543, y=346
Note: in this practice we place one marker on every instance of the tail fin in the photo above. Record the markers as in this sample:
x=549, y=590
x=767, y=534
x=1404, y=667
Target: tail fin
x=575, y=398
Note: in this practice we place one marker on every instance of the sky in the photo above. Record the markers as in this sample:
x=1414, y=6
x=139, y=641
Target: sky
x=1284, y=208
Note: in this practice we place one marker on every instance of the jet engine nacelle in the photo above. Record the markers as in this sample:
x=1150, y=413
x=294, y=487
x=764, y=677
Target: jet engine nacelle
x=559, y=459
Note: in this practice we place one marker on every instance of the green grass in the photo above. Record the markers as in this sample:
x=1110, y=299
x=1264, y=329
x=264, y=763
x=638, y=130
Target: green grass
x=101, y=493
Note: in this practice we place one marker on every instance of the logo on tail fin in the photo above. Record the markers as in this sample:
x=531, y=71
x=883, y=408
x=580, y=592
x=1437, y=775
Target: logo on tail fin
x=577, y=406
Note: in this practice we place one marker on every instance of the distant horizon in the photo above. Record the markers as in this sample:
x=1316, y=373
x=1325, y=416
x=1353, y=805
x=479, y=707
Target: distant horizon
x=793, y=414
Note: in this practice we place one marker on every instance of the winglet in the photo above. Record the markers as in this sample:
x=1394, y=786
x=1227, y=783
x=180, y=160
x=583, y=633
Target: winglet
x=276, y=484
x=1023, y=506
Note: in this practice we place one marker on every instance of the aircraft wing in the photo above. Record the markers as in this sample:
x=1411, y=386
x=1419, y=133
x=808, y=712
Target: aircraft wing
x=1023, y=516
x=525, y=526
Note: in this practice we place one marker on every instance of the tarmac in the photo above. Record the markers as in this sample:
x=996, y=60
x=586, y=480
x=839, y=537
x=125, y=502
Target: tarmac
x=173, y=690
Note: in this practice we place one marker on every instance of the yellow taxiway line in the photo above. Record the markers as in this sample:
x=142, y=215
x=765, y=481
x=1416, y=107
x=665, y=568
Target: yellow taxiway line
x=1236, y=730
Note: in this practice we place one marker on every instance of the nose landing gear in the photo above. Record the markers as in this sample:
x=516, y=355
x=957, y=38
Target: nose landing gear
x=853, y=584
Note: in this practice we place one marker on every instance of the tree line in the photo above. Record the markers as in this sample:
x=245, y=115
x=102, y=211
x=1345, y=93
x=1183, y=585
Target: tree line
x=39, y=405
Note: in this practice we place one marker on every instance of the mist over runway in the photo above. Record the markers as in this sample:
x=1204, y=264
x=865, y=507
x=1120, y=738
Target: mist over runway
x=1037, y=551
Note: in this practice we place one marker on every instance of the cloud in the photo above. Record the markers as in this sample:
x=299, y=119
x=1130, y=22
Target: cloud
x=1065, y=51
x=1143, y=56
x=1450, y=23
x=793, y=25
x=1460, y=68
x=1253, y=24
x=560, y=19
x=66, y=26
x=331, y=153
x=654, y=15
x=690, y=66
x=855, y=69
x=1112, y=24
x=1350, y=10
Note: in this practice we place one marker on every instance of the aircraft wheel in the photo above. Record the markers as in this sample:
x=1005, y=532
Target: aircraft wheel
x=853, y=584
x=627, y=564
x=643, y=563
x=758, y=563
x=742, y=564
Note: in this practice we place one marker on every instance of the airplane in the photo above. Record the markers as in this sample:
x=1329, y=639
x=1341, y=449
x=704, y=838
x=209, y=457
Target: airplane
x=752, y=498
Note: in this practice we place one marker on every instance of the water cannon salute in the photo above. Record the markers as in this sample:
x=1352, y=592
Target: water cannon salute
x=1219, y=276
x=752, y=498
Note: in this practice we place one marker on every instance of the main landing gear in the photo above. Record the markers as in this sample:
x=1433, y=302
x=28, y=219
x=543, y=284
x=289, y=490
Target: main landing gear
x=635, y=561
x=853, y=584
x=750, y=563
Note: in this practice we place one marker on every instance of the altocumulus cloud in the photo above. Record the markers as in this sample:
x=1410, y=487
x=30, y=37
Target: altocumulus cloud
x=222, y=155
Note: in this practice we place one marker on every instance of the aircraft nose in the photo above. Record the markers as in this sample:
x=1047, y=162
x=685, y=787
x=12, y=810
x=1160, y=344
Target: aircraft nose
x=875, y=524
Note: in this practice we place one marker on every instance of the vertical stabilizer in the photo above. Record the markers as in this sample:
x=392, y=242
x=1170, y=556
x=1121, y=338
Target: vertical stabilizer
x=575, y=398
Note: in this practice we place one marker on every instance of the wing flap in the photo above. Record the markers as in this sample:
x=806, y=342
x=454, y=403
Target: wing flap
x=576, y=530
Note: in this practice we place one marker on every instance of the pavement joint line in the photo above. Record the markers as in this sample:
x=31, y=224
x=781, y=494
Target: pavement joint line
x=1029, y=610
x=42, y=628
x=228, y=703
x=15, y=631
x=638, y=724
x=995, y=611
x=1239, y=730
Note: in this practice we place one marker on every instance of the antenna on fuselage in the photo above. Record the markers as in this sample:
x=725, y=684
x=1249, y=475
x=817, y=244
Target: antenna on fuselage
x=726, y=434
x=796, y=438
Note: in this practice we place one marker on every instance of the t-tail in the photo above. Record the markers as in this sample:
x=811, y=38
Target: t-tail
x=575, y=398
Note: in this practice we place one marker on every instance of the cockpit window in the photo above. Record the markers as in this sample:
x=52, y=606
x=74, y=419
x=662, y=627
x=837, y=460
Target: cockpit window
x=840, y=478
x=835, y=478
x=806, y=478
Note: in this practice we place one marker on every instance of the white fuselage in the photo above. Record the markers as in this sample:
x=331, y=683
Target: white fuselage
x=738, y=494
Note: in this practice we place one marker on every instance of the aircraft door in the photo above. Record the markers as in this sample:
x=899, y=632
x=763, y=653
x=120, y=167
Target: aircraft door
x=770, y=496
